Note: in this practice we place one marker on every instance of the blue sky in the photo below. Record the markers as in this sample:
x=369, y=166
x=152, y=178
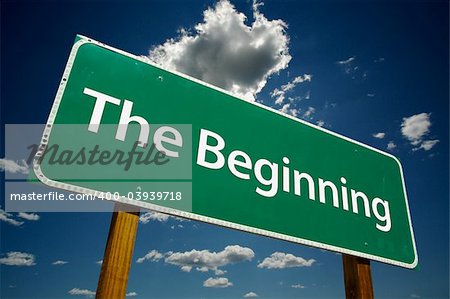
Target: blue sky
x=375, y=71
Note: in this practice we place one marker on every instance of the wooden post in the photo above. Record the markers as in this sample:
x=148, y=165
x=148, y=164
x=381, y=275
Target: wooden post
x=357, y=277
x=118, y=253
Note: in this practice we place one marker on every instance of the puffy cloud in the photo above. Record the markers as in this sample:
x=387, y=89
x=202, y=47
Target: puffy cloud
x=279, y=94
x=379, y=135
x=320, y=123
x=99, y=262
x=391, y=145
x=152, y=256
x=29, y=216
x=280, y=260
x=59, y=262
x=155, y=216
x=16, y=258
x=251, y=295
x=7, y=217
x=226, y=52
x=14, y=167
x=415, y=128
x=220, y=282
x=288, y=110
x=84, y=292
x=204, y=260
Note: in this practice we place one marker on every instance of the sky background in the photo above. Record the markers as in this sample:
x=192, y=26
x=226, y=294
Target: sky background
x=375, y=71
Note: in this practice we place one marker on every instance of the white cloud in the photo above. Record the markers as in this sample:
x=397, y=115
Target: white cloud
x=309, y=112
x=288, y=110
x=152, y=256
x=84, y=292
x=391, y=145
x=15, y=258
x=415, y=128
x=131, y=294
x=29, y=216
x=379, y=135
x=251, y=295
x=14, y=166
x=350, y=68
x=370, y=95
x=279, y=94
x=58, y=262
x=427, y=145
x=155, y=216
x=7, y=217
x=280, y=260
x=220, y=282
x=204, y=260
x=378, y=60
x=320, y=123
x=99, y=262
x=346, y=61
x=298, y=286
x=228, y=53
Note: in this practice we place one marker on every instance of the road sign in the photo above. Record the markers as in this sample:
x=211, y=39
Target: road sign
x=161, y=140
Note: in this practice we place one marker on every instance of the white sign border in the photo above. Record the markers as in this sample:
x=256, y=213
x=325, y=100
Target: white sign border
x=69, y=187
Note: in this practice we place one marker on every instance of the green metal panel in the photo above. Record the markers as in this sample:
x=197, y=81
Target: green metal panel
x=218, y=196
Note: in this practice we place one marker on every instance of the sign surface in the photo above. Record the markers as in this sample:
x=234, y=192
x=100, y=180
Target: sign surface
x=222, y=160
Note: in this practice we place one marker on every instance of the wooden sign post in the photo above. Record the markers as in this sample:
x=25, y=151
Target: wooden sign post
x=357, y=277
x=118, y=253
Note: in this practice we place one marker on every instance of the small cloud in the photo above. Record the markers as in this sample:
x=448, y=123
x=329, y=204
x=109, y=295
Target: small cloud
x=14, y=166
x=204, y=260
x=346, y=61
x=59, y=262
x=280, y=93
x=83, y=292
x=219, y=272
x=415, y=128
x=280, y=260
x=131, y=294
x=370, y=95
x=378, y=60
x=427, y=145
x=391, y=145
x=379, y=135
x=99, y=262
x=298, y=286
x=29, y=216
x=153, y=216
x=320, y=123
x=16, y=258
x=152, y=256
x=309, y=112
x=251, y=295
x=288, y=110
x=219, y=282
x=8, y=218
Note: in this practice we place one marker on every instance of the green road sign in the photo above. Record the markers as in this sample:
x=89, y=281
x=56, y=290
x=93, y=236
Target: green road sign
x=161, y=140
